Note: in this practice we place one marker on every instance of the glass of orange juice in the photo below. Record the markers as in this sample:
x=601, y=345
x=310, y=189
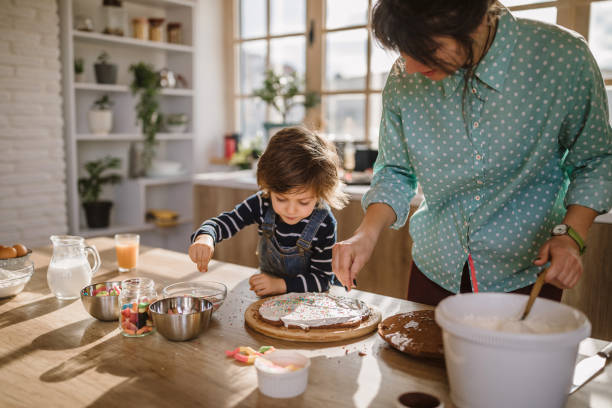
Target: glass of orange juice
x=127, y=246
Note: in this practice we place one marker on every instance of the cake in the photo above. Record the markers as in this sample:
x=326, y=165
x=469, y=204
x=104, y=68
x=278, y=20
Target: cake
x=313, y=310
x=415, y=333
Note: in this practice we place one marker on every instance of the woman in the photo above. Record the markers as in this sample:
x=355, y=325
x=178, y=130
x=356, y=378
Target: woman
x=504, y=123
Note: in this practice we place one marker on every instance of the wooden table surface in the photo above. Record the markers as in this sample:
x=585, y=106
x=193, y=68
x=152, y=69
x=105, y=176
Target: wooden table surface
x=52, y=353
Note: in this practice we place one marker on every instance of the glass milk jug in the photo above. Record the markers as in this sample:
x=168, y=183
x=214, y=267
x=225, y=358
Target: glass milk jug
x=69, y=270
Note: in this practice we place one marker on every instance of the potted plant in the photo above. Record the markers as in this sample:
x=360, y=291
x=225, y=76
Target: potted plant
x=101, y=116
x=79, y=70
x=282, y=92
x=146, y=86
x=106, y=73
x=97, y=212
x=176, y=122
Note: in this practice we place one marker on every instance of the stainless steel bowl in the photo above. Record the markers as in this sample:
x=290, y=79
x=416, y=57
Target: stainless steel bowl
x=105, y=308
x=181, y=318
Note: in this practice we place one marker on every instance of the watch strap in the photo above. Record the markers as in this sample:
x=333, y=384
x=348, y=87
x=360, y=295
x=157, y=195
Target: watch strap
x=576, y=237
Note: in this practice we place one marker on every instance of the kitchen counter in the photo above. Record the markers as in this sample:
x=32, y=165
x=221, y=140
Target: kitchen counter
x=55, y=354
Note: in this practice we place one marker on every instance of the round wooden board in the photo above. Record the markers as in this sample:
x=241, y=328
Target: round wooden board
x=252, y=319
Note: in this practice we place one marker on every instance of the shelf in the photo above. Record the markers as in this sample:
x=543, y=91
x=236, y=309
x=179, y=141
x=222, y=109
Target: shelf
x=160, y=181
x=122, y=229
x=163, y=3
x=114, y=229
x=88, y=86
x=106, y=38
x=130, y=137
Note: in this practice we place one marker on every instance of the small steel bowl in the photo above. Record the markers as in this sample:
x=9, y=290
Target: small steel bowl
x=105, y=308
x=181, y=318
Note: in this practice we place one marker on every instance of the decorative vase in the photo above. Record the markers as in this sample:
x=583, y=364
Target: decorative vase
x=79, y=77
x=100, y=121
x=106, y=73
x=97, y=213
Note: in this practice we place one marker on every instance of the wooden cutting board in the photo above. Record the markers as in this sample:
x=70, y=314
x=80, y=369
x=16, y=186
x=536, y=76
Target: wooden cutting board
x=254, y=321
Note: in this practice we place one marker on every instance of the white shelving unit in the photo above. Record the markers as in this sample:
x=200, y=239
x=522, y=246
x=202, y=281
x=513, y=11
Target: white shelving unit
x=132, y=197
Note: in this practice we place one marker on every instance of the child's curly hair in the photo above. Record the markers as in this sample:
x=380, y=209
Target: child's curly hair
x=299, y=159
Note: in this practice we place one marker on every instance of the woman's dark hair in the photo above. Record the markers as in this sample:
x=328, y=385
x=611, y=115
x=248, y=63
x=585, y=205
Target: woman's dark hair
x=412, y=26
x=299, y=159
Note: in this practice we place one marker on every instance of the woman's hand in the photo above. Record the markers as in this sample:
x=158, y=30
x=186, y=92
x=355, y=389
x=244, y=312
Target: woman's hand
x=201, y=251
x=349, y=256
x=263, y=284
x=565, y=262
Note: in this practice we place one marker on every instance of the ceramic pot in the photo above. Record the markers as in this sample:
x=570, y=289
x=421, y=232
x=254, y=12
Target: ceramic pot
x=100, y=121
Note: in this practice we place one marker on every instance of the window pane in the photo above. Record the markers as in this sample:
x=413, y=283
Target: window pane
x=344, y=116
x=546, y=14
x=294, y=116
x=252, y=65
x=252, y=115
x=287, y=16
x=375, y=114
x=345, y=60
x=343, y=13
x=511, y=3
x=288, y=55
x=380, y=65
x=600, y=36
x=252, y=18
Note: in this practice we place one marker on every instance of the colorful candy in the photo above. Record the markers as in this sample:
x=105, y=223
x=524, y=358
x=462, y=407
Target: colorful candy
x=102, y=290
x=135, y=318
x=247, y=354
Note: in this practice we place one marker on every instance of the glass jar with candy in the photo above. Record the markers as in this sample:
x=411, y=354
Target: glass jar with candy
x=136, y=296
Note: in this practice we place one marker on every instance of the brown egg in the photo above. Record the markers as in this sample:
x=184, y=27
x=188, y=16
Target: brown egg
x=21, y=249
x=8, y=252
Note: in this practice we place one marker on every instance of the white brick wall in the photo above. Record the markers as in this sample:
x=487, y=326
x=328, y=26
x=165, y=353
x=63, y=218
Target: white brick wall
x=32, y=162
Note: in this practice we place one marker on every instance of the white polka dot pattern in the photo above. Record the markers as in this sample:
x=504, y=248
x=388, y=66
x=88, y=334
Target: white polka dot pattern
x=538, y=139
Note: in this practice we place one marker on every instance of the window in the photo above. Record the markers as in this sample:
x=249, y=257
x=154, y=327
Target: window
x=328, y=42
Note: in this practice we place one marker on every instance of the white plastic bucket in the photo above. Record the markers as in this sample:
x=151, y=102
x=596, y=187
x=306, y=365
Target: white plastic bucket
x=283, y=385
x=488, y=368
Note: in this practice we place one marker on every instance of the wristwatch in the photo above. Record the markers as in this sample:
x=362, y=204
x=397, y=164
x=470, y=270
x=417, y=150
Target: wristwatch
x=564, y=229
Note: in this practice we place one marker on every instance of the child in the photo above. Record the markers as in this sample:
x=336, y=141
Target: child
x=298, y=179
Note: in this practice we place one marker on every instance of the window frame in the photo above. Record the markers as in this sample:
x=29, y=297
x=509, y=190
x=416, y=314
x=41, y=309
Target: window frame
x=573, y=14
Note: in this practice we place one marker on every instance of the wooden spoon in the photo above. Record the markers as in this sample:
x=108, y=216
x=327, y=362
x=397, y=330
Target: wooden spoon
x=535, y=291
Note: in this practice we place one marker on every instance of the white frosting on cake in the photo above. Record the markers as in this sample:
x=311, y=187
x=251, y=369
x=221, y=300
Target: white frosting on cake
x=307, y=310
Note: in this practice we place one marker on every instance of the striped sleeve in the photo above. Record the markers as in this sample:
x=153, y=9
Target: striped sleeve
x=320, y=275
x=227, y=224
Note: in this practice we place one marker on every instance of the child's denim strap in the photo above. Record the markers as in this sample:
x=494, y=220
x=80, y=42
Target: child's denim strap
x=310, y=231
x=268, y=224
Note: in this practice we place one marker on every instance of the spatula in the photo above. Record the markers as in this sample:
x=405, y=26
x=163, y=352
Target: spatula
x=535, y=291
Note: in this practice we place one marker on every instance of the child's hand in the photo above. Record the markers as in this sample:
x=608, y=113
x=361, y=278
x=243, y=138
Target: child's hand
x=201, y=251
x=263, y=284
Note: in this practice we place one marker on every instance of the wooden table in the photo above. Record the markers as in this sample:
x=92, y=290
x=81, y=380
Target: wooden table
x=52, y=353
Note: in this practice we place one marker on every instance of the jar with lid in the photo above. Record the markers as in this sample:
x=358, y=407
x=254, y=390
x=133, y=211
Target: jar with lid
x=156, y=29
x=136, y=296
x=175, y=34
x=115, y=18
x=140, y=28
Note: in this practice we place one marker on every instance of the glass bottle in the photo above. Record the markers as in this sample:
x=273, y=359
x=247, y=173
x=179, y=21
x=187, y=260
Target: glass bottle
x=115, y=18
x=140, y=28
x=136, y=296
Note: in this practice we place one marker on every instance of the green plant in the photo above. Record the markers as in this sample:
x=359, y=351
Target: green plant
x=90, y=187
x=146, y=85
x=103, y=58
x=79, y=66
x=103, y=103
x=248, y=152
x=280, y=91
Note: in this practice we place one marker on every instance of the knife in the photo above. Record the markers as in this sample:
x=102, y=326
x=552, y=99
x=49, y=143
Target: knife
x=590, y=367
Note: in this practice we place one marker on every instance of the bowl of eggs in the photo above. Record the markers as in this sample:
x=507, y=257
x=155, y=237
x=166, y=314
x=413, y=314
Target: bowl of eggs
x=14, y=256
x=16, y=269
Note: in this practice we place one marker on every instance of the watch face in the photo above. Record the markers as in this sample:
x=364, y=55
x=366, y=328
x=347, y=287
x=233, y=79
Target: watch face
x=559, y=229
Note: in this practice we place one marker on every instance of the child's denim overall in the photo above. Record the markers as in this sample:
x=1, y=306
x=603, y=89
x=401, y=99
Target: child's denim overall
x=286, y=262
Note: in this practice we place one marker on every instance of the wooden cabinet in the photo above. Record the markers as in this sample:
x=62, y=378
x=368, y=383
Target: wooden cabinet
x=386, y=273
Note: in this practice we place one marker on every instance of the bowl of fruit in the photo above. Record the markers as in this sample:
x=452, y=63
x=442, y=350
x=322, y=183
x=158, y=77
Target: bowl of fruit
x=101, y=300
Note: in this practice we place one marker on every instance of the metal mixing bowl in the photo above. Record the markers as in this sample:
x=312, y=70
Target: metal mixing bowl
x=214, y=292
x=190, y=316
x=105, y=308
